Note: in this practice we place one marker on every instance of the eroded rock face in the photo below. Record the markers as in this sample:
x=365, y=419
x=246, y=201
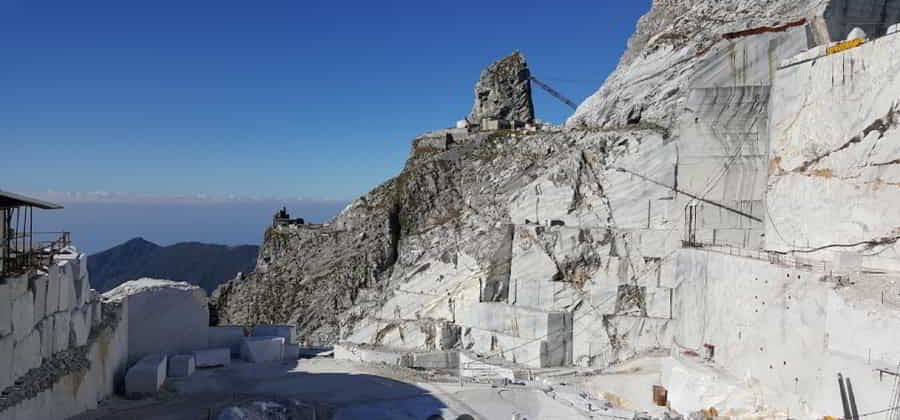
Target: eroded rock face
x=309, y=274
x=504, y=92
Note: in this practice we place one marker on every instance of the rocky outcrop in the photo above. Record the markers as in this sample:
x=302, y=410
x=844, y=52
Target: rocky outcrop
x=504, y=92
x=309, y=274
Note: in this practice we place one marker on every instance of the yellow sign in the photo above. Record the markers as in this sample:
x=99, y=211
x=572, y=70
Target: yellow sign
x=846, y=45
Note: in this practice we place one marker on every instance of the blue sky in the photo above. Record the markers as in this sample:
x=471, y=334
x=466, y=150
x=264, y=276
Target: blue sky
x=313, y=101
x=272, y=98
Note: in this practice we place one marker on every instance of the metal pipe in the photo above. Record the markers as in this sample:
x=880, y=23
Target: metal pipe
x=853, y=411
x=694, y=196
x=30, y=239
x=844, y=404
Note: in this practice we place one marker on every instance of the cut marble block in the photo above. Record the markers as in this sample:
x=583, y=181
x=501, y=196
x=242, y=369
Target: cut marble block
x=80, y=325
x=227, y=336
x=212, y=357
x=369, y=354
x=288, y=332
x=26, y=354
x=146, y=376
x=181, y=365
x=291, y=351
x=436, y=360
x=262, y=349
x=61, y=328
x=23, y=315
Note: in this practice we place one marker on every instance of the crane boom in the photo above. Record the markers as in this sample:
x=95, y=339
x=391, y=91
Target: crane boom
x=553, y=92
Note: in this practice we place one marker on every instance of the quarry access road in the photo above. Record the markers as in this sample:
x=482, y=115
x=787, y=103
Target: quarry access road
x=342, y=389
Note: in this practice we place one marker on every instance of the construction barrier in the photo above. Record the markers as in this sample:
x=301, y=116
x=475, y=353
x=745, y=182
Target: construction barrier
x=845, y=45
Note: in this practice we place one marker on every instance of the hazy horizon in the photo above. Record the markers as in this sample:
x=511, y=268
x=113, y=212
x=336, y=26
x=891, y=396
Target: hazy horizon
x=100, y=221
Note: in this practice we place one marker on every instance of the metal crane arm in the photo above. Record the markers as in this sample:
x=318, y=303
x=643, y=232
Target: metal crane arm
x=553, y=92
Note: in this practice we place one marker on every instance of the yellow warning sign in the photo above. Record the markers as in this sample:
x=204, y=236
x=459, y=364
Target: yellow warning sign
x=845, y=45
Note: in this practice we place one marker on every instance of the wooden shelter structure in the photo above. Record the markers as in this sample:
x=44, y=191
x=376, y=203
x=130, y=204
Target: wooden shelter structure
x=19, y=252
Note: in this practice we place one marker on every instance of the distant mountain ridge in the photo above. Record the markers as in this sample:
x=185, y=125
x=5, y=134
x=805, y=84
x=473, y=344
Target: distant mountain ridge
x=206, y=265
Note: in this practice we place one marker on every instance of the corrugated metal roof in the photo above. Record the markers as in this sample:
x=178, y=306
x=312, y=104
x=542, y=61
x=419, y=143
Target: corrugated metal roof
x=10, y=200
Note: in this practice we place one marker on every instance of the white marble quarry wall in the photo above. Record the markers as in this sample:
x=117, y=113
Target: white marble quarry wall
x=49, y=320
x=547, y=261
x=834, y=149
x=549, y=197
x=641, y=180
x=432, y=290
x=722, y=152
x=748, y=61
x=788, y=330
x=724, y=135
x=510, y=320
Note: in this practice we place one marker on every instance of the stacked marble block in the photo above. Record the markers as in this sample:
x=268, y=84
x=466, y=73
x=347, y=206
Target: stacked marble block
x=533, y=337
x=45, y=313
x=224, y=343
x=269, y=343
x=150, y=372
x=266, y=343
x=146, y=376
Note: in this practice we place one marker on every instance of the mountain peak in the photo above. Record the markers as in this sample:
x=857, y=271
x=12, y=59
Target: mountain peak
x=205, y=265
x=138, y=241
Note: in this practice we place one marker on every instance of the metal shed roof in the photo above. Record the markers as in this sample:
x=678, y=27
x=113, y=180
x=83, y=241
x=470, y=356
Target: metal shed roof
x=11, y=200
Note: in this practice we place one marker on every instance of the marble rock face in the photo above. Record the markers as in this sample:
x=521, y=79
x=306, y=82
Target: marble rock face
x=701, y=133
x=835, y=159
x=670, y=41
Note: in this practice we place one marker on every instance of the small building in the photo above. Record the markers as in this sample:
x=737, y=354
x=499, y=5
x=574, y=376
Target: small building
x=489, y=124
x=283, y=218
x=19, y=251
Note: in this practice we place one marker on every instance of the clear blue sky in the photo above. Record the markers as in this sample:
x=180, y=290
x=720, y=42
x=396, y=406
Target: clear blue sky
x=267, y=98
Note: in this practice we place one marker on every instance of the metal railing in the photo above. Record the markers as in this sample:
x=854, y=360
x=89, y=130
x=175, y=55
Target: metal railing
x=772, y=257
x=20, y=253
